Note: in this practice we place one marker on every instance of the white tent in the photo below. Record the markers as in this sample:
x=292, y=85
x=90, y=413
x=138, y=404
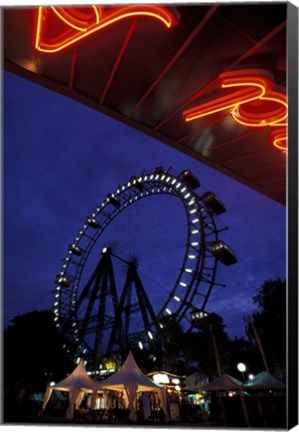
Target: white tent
x=130, y=379
x=195, y=381
x=77, y=384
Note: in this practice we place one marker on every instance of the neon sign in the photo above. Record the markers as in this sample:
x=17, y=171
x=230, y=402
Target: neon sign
x=60, y=27
x=252, y=103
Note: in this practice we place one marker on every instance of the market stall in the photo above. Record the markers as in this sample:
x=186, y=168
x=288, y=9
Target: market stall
x=130, y=380
x=76, y=384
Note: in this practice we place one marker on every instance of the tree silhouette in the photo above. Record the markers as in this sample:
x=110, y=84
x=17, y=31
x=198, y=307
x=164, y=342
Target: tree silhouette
x=199, y=347
x=270, y=323
x=34, y=351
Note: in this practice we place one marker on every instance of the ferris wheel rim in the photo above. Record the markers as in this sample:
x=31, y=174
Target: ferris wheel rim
x=128, y=194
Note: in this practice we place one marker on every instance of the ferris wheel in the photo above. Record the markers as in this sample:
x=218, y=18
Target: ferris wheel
x=148, y=253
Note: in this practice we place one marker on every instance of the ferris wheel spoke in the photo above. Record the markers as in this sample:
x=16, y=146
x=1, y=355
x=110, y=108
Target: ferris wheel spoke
x=147, y=247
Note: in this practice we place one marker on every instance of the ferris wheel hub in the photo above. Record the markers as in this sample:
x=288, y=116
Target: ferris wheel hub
x=104, y=301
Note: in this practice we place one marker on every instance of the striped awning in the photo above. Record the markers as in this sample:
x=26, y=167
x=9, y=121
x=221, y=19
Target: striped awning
x=222, y=383
x=265, y=381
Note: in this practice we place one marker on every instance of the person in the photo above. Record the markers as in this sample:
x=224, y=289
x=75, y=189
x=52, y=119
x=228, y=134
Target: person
x=214, y=409
x=204, y=416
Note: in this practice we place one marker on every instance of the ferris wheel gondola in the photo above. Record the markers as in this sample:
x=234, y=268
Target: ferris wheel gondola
x=94, y=306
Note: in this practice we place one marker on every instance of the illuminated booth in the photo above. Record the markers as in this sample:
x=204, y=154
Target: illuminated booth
x=77, y=384
x=173, y=385
x=131, y=381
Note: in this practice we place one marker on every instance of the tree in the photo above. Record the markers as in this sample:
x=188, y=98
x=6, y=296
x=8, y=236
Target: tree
x=199, y=345
x=242, y=350
x=270, y=323
x=34, y=351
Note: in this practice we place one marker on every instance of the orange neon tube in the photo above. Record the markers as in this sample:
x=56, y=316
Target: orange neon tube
x=275, y=117
x=77, y=28
x=72, y=21
x=242, y=104
x=254, y=87
x=278, y=138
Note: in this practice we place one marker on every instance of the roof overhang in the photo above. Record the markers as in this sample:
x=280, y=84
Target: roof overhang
x=146, y=75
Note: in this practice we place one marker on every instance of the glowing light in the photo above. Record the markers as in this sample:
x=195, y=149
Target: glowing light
x=241, y=367
x=140, y=344
x=254, y=89
x=195, y=232
x=195, y=220
x=168, y=311
x=253, y=103
x=194, y=244
x=178, y=388
x=192, y=256
x=193, y=211
x=150, y=335
x=187, y=270
x=75, y=28
x=183, y=284
x=177, y=298
x=278, y=138
x=274, y=117
x=160, y=378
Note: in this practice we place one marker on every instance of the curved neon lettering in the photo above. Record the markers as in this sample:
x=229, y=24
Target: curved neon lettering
x=73, y=21
x=278, y=138
x=77, y=27
x=249, y=89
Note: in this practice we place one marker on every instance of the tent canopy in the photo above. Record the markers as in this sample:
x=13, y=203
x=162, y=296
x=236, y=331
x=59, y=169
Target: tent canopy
x=130, y=379
x=265, y=381
x=78, y=378
x=77, y=383
x=129, y=373
x=195, y=381
x=222, y=383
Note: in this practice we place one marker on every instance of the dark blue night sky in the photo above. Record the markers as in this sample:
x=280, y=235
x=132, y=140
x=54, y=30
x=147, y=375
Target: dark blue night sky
x=61, y=158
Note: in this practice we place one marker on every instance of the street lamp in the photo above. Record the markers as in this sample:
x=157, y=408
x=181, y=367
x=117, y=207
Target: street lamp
x=241, y=368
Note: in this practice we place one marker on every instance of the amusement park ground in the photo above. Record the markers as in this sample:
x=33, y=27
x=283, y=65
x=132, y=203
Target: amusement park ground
x=21, y=414
x=272, y=415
